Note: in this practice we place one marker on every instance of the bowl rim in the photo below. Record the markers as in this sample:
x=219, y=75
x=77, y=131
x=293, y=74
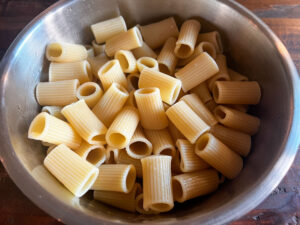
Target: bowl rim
x=238, y=207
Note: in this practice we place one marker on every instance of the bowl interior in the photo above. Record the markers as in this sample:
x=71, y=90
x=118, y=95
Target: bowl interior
x=248, y=50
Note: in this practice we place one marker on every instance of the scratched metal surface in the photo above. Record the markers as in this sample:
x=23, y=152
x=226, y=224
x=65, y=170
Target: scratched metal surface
x=281, y=207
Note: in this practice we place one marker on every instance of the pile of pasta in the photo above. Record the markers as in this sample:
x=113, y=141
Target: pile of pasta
x=146, y=116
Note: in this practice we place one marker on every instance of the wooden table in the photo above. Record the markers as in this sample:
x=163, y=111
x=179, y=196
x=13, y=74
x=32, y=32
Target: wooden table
x=281, y=207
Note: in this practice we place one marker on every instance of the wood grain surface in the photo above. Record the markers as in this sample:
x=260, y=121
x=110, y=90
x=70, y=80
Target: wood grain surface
x=281, y=207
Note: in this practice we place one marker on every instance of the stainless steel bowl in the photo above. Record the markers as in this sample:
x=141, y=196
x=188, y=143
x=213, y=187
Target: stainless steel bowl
x=253, y=49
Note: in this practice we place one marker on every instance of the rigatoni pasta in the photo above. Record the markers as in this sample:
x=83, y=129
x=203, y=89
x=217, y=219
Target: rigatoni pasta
x=54, y=111
x=222, y=74
x=127, y=61
x=139, y=204
x=235, y=76
x=203, y=93
x=90, y=92
x=144, y=50
x=212, y=37
x=65, y=52
x=98, y=48
x=146, y=62
x=167, y=59
x=133, y=81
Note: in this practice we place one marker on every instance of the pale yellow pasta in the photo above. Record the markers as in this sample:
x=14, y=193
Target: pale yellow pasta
x=133, y=81
x=111, y=103
x=111, y=72
x=237, y=120
x=175, y=133
x=131, y=100
x=54, y=111
x=124, y=158
x=115, y=177
x=219, y=156
x=175, y=165
x=187, y=121
x=84, y=121
x=76, y=174
x=58, y=93
x=211, y=105
x=139, y=206
x=146, y=62
x=69, y=71
x=207, y=47
x=197, y=71
x=194, y=102
x=189, y=161
x=212, y=37
x=144, y=50
x=122, y=128
x=90, y=50
x=235, y=140
x=222, y=75
x=187, y=38
x=155, y=34
x=169, y=86
x=124, y=41
x=94, y=154
x=162, y=142
x=235, y=76
x=96, y=63
x=157, y=187
x=151, y=108
x=127, y=61
x=90, y=92
x=139, y=146
x=167, y=59
x=120, y=200
x=191, y=185
x=47, y=128
x=203, y=93
x=237, y=92
x=65, y=52
x=98, y=48
x=112, y=155
x=106, y=29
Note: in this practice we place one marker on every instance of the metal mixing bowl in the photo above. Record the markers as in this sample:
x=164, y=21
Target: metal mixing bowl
x=252, y=49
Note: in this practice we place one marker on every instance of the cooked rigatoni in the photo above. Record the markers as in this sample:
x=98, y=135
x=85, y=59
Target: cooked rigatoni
x=162, y=142
x=219, y=156
x=133, y=81
x=151, y=108
x=235, y=76
x=222, y=74
x=98, y=48
x=167, y=59
x=71, y=170
x=203, y=93
x=157, y=187
x=90, y=92
x=47, y=128
x=139, y=206
x=58, y=93
x=211, y=105
x=65, y=52
x=120, y=200
x=69, y=71
x=187, y=38
x=146, y=62
x=175, y=165
x=131, y=100
x=139, y=146
x=194, y=102
x=187, y=121
x=212, y=37
x=124, y=158
x=144, y=50
x=207, y=47
x=54, y=111
x=189, y=161
x=169, y=86
x=111, y=72
x=155, y=34
x=237, y=120
x=127, y=61
x=191, y=185
x=84, y=121
x=122, y=128
x=111, y=103
x=90, y=50
x=175, y=133
x=237, y=92
x=124, y=41
x=96, y=63
x=115, y=177
x=235, y=140
x=94, y=154
x=197, y=71
x=106, y=29
x=112, y=155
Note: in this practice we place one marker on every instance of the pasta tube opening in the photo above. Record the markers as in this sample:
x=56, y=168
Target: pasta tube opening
x=130, y=177
x=117, y=139
x=107, y=67
x=202, y=142
x=100, y=137
x=123, y=61
x=139, y=148
x=160, y=207
x=38, y=125
x=54, y=50
x=148, y=62
x=95, y=155
x=209, y=48
x=177, y=190
x=220, y=113
x=133, y=81
x=87, y=90
x=183, y=50
x=88, y=183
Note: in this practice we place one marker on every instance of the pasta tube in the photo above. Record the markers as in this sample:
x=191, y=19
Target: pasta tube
x=127, y=61
x=211, y=105
x=98, y=48
x=147, y=62
x=214, y=38
x=131, y=100
x=175, y=133
x=203, y=93
x=94, y=154
x=139, y=206
x=167, y=59
x=222, y=75
x=144, y=50
x=96, y=63
x=90, y=92
x=64, y=52
x=54, y=111
x=235, y=76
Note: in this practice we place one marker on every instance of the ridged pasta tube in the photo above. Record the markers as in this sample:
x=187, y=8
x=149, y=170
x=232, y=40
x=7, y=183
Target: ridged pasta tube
x=131, y=100
x=65, y=52
x=222, y=74
x=94, y=154
x=144, y=50
x=175, y=133
x=98, y=48
x=202, y=91
x=90, y=92
x=167, y=60
x=212, y=37
x=139, y=206
x=127, y=61
x=146, y=62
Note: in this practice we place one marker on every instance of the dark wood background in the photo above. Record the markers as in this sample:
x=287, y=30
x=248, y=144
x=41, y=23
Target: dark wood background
x=281, y=207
